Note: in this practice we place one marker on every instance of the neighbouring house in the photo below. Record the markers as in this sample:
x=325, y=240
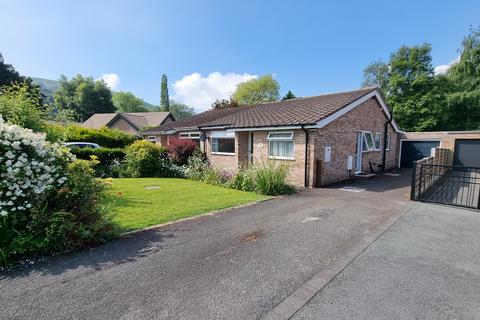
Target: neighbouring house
x=131, y=122
x=323, y=139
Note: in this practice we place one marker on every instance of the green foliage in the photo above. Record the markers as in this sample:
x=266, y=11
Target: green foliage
x=263, y=89
x=128, y=102
x=196, y=166
x=164, y=98
x=8, y=74
x=289, y=95
x=410, y=88
x=180, y=111
x=224, y=104
x=64, y=220
x=109, y=159
x=21, y=104
x=146, y=159
x=105, y=137
x=84, y=95
x=266, y=178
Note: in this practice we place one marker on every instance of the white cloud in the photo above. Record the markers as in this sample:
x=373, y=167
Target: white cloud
x=111, y=79
x=443, y=68
x=200, y=92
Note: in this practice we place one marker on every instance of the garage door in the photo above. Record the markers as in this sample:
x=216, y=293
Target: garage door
x=467, y=153
x=415, y=150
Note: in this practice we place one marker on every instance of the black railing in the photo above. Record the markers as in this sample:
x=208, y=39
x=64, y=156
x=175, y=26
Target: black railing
x=454, y=185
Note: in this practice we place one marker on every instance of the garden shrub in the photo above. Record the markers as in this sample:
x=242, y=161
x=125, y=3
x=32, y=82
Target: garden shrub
x=271, y=179
x=179, y=150
x=146, y=159
x=105, y=137
x=48, y=203
x=109, y=159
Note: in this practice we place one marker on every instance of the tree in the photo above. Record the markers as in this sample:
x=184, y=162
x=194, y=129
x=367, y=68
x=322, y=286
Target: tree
x=376, y=75
x=84, y=96
x=263, y=89
x=21, y=104
x=128, y=102
x=164, y=98
x=224, y=103
x=8, y=74
x=410, y=87
x=463, y=86
x=180, y=110
x=289, y=95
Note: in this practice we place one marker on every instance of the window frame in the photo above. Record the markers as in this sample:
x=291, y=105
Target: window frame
x=365, y=140
x=380, y=135
x=388, y=142
x=189, y=135
x=271, y=139
x=149, y=139
x=222, y=152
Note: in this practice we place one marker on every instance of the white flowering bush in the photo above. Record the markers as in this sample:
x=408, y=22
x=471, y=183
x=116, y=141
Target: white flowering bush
x=49, y=201
x=29, y=167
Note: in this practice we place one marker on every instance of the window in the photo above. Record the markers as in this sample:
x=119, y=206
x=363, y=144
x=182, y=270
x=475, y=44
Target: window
x=280, y=145
x=152, y=138
x=368, y=142
x=378, y=140
x=223, y=145
x=388, y=142
x=190, y=135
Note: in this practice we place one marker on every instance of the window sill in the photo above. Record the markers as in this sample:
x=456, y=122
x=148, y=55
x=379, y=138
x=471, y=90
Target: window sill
x=223, y=153
x=281, y=158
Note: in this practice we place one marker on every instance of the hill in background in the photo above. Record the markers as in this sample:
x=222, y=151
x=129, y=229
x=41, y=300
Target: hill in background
x=48, y=87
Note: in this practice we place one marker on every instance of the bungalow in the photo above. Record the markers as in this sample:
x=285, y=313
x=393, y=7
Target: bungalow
x=131, y=122
x=323, y=139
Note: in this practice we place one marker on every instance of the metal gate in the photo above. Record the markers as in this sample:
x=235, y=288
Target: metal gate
x=453, y=185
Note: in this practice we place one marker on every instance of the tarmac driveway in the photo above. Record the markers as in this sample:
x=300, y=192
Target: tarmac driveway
x=235, y=265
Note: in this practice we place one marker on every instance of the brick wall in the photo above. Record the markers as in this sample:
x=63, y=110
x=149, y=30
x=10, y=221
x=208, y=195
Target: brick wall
x=122, y=124
x=296, y=167
x=423, y=175
x=341, y=135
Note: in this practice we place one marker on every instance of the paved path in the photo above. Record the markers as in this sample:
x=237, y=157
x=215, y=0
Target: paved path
x=235, y=265
x=426, y=266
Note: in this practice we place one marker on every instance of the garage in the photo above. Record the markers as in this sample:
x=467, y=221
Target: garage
x=467, y=152
x=415, y=150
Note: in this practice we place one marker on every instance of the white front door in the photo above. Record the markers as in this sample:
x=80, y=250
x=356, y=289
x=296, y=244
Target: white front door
x=358, y=154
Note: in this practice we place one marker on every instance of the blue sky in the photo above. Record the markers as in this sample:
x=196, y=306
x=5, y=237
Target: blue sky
x=206, y=47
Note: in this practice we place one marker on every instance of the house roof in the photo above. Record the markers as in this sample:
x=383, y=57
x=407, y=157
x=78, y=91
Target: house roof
x=136, y=119
x=293, y=112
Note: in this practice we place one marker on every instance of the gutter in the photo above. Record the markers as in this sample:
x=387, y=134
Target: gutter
x=306, y=155
x=385, y=137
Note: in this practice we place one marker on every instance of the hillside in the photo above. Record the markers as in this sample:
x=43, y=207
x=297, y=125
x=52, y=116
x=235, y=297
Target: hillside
x=48, y=87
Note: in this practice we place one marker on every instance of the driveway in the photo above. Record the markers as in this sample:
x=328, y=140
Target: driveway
x=426, y=266
x=235, y=265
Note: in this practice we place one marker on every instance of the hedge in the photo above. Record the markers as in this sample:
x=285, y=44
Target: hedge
x=109, y=159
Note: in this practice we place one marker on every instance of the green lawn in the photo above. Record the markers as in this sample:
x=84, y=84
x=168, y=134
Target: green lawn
x=143, y=202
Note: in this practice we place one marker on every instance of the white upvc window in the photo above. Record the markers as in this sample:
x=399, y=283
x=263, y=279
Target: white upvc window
x=190, y=135
x=281, y=145
x=388, y=142
x=378, y=140
x=368, y=143
x=152, y=139
x=223, y=146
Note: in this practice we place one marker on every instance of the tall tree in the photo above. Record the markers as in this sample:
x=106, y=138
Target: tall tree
x=180, y=111
x=263, y=89
x=463, y=86
x=128, y=102
x=84, y=96
x=224, y=103
x=289, y=95
x=164, y=98
x=410, y=87
x=8, y=74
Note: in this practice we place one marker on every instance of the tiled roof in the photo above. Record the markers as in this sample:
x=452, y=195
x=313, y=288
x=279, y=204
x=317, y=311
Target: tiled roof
x=299, y=111
x=137, y=119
